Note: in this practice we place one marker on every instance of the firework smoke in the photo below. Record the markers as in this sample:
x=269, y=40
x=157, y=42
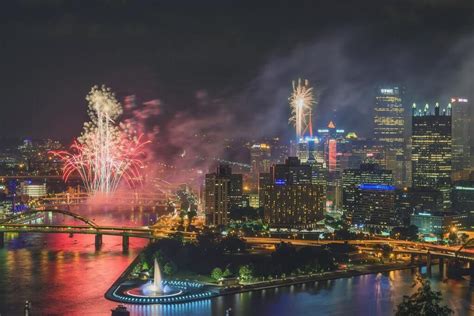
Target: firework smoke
x=106, y=152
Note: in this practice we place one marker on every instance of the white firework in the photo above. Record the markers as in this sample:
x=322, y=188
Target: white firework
x=301, y=103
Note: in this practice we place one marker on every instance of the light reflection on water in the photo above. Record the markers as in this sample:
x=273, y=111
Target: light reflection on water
x=67, y=276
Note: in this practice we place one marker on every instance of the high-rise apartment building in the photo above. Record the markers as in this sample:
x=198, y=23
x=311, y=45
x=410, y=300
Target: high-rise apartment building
x=293, y=200
x=222, y=191
x=375, y=206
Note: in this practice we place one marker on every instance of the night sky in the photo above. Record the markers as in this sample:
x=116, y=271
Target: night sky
x=226, y=66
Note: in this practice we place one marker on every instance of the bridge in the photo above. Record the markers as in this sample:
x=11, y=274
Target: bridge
x=416, y=246
x=67, y=199
x=455, y=256
x=17, y=224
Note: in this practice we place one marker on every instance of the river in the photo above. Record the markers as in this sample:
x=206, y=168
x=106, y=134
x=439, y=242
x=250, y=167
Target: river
x=63, y=275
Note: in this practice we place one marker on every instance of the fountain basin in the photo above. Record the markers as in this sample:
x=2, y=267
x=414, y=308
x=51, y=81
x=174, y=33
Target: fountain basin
x=187, y=291
x=150, y=290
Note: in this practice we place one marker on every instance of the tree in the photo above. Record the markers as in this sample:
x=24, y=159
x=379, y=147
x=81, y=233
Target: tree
x=384, y=249
x=464, y=238
x=405, y=233
x=216, y=273
x=191, y=215
x=245, y=213
x=412, y=233
x=178, y=236
x=233, y=244
x=283, y=258
x=246, y=272
x=170, y=269
x=424, y=302
x=208, y=240
x=453, y=237
x=344, y=234
x=226, y=272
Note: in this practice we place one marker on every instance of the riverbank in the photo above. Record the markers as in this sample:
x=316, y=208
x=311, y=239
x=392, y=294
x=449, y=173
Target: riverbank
x=256, y=286
x=268, y=284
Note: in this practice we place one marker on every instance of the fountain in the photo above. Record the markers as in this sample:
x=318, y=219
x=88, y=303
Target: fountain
x=159, y=291
x=155, y=287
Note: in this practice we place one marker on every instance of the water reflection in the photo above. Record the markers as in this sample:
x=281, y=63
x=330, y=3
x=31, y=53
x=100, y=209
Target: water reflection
x=66, y=276
x=193, y=308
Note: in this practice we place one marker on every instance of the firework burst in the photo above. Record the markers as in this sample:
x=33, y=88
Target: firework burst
x=301, y=102
x=106, y=152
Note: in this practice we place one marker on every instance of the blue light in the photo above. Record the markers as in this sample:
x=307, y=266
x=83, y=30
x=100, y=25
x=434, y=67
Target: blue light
x=424, y=214
x=280, y=181
x=376, y=187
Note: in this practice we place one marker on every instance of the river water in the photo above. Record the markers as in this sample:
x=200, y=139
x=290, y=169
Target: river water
x=62, y=275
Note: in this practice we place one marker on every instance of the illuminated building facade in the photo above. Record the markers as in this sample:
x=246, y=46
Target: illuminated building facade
x=400, y=167
x=254, y=200
x=260, y=158
x=33, y=190
x=330, y=139
x=235, y=190
x=463, y=200
x=222, y=190
x=292, y=200
x=352, y=153
x=307, y=150
x=461, y=132
x=389, y=117
x=365, y=174
x=409, y=200
x=260, y=161
x=264, y=185
x=432, y=149
x=437, y=223
x=389, y=130
x=375, y=206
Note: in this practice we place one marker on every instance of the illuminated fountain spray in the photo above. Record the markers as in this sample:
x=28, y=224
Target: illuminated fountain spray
x=155, y=287
x=301, y=102
x=106, y=152
x=157, y=278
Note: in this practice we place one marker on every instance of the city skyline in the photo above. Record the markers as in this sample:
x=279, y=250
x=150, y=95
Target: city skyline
x=237, y=158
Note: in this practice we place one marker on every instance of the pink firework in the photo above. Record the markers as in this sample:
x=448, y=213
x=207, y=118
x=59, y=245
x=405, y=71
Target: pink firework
x=106, y=152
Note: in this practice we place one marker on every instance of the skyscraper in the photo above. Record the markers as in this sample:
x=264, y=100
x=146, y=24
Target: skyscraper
x=389, y=117
x=330, y=140
x=432, y=149
x=260, y=158
x=461, y=132
x=264, y=185
x=260, y=161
